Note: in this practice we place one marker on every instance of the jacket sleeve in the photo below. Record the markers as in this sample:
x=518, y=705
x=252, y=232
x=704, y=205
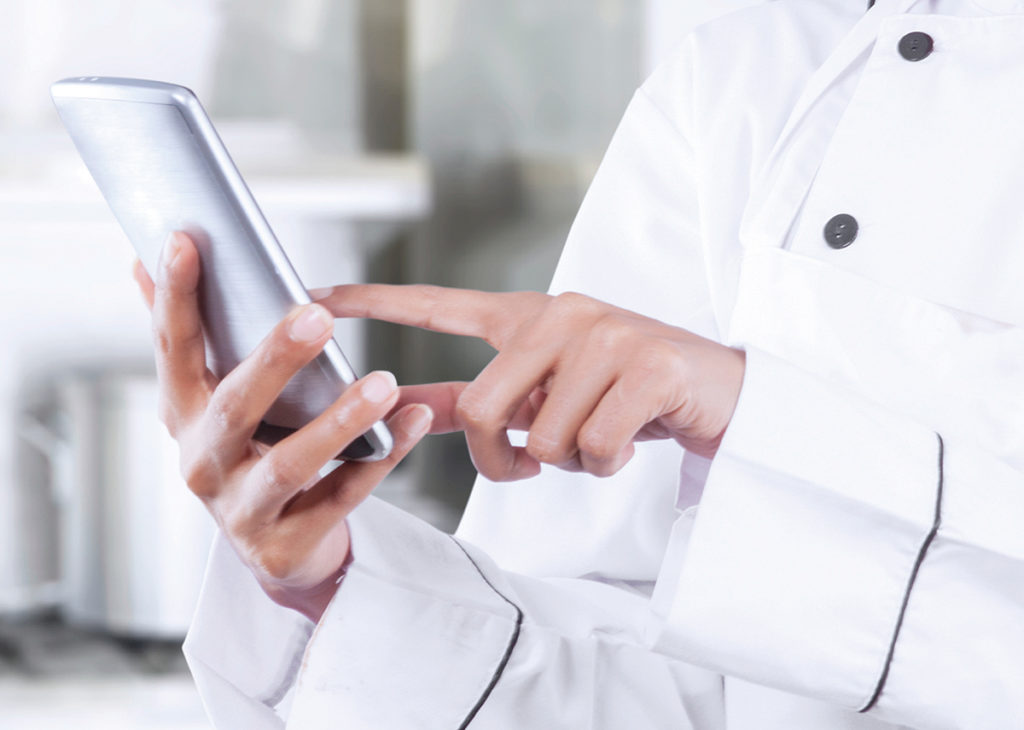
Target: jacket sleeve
x=841, y=552
x=243, y=650
x=891, y=582
x=427, y=632
x=846, y=552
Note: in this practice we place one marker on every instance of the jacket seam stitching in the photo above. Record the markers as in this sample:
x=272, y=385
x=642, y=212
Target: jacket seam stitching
x=936, y=524
x=506, y=657
x=679, y=133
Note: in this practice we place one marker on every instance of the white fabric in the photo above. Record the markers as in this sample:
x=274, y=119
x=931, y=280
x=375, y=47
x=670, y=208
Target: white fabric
x=857, y=542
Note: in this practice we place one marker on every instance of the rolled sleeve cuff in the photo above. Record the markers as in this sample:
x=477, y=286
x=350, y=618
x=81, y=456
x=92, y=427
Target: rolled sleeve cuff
x=816, y=513
x=415, y=637
x=244, y=650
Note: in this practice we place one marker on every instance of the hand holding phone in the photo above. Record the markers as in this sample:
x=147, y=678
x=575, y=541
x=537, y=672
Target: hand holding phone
x=284, y=521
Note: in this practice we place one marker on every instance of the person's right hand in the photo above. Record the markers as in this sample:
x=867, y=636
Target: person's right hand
x=286, y=524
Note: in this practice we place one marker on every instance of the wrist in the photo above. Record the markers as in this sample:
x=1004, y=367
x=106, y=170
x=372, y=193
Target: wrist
x=717, y=386
x=311, y=602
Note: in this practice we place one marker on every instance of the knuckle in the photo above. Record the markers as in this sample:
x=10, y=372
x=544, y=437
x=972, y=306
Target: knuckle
x=531, y=299
x=279, y=351
x=491, y=472
x=603, y=469
x=346, y=411
x=548, y=450
x=472, y=410
x=611, y=332
x=494, y=469
x=196, y=471
x=595, y=445
x=236, y=524
x=508, y=322
x=656, y=356
x=276, y=561
x=162, y=341
x=566, y=308
x=165, y=411
x=170, y=345
x=572, y=302
x=432, y=296
x=518, y=307
x=613, y=465
x=277, y=475
x=225, y=413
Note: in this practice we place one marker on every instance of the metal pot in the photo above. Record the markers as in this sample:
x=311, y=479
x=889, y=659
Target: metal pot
x=134, y=540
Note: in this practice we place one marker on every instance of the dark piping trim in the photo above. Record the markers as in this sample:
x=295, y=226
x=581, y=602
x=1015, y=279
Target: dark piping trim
x=936, y=523
x=508, y=649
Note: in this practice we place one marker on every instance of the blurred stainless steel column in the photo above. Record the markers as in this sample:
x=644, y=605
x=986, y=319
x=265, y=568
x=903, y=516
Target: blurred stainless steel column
x=513, y=103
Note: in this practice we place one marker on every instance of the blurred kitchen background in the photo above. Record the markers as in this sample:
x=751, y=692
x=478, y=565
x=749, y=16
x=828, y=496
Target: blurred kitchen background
x=440, y=141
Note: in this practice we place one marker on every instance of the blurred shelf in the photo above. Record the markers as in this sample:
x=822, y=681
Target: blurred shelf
x=366, y=188
x=42, y=178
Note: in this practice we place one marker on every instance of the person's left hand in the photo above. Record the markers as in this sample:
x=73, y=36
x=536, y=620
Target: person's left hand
x=586, y=379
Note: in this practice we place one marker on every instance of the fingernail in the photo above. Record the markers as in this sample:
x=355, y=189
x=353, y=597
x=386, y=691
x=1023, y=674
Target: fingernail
x=311, y=324
x=172, y=247
x=317, y=294
x=418, y=420
x=377, y=387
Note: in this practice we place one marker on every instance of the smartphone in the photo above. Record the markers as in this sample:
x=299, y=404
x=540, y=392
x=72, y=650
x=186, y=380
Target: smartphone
x=161, y=166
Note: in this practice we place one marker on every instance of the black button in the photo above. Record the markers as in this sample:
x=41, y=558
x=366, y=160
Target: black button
x=916, y=46
x=841, y=231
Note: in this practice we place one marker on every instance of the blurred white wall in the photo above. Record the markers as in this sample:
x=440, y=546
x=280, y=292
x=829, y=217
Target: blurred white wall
x=45, y=40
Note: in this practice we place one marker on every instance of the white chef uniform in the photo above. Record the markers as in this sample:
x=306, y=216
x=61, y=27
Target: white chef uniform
x=837, y=191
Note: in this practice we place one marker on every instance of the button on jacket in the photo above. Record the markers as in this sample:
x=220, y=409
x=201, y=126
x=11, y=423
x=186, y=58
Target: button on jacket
x=853, y=557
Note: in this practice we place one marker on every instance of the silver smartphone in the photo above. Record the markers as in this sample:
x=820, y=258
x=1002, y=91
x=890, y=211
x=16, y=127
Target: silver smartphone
x=162, y=167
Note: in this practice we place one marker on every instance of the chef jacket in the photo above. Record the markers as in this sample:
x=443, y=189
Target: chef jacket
x=838, y=191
